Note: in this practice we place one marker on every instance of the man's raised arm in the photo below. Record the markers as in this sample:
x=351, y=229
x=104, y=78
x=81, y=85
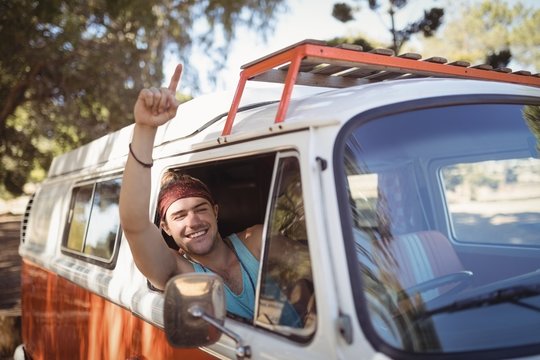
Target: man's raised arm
x=154, y=107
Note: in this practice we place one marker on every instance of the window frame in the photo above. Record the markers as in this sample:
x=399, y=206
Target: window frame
x=436, y=168
x=38, y=202
x=176, y=163
x=297, y=335
x=81, y=255
x=356, y=282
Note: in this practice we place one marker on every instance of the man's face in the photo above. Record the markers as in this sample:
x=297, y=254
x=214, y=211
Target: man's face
x=192, y=222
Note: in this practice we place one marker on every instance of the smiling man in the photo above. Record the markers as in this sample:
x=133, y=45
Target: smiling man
x=187, y=212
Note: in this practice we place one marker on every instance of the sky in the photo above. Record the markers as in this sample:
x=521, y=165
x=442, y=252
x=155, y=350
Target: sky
x=310, y=19
x=306, y=19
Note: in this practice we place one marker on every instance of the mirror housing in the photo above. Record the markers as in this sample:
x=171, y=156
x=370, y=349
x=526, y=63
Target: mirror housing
x=191, y=293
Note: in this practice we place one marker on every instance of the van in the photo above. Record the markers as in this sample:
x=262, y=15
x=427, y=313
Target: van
x=409, y=189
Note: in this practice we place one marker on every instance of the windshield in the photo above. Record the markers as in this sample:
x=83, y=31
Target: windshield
x=443, y=214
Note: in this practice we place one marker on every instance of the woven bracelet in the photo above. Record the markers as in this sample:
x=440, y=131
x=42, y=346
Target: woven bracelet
x=146, y=165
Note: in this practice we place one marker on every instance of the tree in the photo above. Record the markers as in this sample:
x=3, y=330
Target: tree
x=70, y=70
x=427, y=25
x=531, y=114
x=492, y=32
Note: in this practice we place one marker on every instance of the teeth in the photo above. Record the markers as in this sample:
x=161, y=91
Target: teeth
x=198, y=233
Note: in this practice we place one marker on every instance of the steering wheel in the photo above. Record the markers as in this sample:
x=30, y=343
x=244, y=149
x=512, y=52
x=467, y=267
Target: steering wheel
x=461, y=278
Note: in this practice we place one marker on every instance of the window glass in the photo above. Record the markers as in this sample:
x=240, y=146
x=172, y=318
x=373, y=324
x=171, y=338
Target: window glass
x=287, y=295
x=442, y=212
x=94, y=220
x=80, y=213
x=104, y=221
x=45, y=206
x=478, y=192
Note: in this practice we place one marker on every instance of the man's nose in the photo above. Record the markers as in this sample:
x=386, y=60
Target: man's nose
x=192, y=217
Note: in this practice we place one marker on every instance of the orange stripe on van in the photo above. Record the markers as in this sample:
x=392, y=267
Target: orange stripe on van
x=64, y=321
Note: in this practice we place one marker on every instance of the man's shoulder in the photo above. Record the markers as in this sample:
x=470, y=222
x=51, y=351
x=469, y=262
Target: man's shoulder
x=252, y=233
x=252, y=238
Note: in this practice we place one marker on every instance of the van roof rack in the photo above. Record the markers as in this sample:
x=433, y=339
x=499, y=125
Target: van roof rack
x=315, y=63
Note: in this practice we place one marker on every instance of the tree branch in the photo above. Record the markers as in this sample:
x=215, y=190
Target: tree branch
x=15, y=96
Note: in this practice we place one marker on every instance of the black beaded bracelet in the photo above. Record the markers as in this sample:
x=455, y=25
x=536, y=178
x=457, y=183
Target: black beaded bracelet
x=146, y=165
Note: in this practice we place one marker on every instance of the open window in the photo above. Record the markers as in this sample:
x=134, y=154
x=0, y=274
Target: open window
x=240, y=187
x=267, y=189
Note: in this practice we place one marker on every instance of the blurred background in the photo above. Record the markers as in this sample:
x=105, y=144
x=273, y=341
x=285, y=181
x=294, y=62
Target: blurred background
x=70, y=71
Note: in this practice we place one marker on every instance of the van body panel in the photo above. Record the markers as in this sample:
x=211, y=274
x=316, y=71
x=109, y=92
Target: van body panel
x=315, y=108
x=65, y=321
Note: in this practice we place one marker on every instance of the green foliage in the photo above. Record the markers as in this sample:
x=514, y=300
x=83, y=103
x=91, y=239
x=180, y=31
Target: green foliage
x=427, y=25
x=366, y=44
x=288, y=218
x=290, y=262
x=499, y=59
x=342, y=12
x=70, y=70
x=490, y=31
x=531, y=114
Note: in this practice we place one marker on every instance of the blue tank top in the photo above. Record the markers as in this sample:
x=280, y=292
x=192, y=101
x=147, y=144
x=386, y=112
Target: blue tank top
x=242, y=304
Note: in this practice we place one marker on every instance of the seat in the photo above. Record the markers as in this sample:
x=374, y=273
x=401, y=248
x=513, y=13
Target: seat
x=425, y=263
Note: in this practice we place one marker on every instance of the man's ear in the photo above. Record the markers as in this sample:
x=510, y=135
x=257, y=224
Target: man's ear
x=165, y=227
x=216, y=210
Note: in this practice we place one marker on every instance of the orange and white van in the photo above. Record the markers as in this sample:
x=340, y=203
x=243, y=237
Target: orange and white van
x=409, y=188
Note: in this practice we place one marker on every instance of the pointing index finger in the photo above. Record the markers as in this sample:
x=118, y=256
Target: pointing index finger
x=175, y=78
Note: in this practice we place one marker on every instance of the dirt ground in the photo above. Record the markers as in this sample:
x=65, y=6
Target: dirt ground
x=10, y=285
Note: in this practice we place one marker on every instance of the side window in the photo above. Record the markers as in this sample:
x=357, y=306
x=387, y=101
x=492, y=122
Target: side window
x=477, y=191
x=286, y=301
x=79, y=214
x=94, y=223
x=43, y=208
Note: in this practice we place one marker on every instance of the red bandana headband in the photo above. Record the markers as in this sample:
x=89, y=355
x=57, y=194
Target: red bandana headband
x=185, y=187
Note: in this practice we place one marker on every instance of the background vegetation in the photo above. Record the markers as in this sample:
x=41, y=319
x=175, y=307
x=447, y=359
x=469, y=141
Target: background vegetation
x=69, y=70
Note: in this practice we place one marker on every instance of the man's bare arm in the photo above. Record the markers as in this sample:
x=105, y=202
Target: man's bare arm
x=154, y=107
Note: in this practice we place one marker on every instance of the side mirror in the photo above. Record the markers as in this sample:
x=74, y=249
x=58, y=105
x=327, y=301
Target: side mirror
x=194, y=312
x=189, y=293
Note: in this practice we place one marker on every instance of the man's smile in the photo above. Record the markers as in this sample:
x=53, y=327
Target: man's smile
x=197, y=233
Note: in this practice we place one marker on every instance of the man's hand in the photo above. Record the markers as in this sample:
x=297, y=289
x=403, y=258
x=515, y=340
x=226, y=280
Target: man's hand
x=154, y=107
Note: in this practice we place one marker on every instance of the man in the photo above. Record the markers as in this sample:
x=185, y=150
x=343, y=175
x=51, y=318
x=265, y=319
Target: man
x=187, y=213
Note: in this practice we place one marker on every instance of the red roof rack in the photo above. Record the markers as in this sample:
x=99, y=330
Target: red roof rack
x=314, y=63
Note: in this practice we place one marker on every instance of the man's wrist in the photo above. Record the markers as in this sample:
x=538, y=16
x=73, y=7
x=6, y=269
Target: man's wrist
x=142, y=163
x=145, y=127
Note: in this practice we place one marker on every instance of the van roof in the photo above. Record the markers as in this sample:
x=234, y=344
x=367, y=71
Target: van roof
x=196, y=120
x=294, y=72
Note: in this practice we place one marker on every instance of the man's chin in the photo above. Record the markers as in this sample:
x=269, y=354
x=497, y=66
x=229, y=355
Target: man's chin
x=199, y=247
